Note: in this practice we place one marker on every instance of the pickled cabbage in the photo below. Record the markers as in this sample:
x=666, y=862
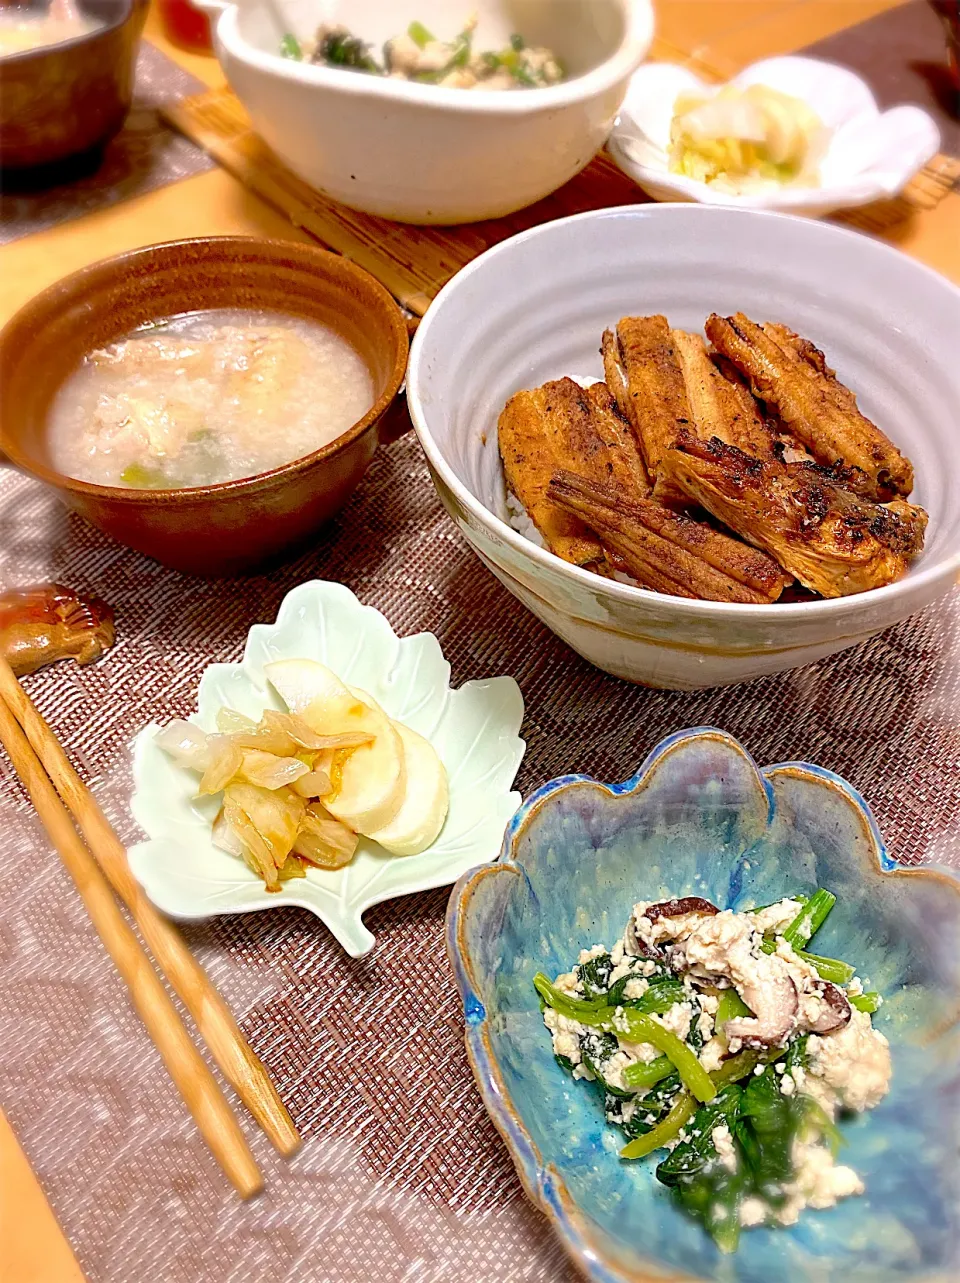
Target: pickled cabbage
x=745, y=139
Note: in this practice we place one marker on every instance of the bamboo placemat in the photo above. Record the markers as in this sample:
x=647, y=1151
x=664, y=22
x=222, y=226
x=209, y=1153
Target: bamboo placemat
x=414, y=263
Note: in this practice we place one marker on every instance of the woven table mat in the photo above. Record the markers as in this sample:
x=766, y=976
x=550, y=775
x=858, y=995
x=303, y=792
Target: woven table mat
x=145, y=155
x=402, y=1177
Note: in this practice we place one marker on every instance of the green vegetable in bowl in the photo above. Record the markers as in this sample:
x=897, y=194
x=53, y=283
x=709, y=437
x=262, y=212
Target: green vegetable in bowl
x=290, y=47
x=420, y=36
x=746, y=1139
x=340, y=49
x=418, y=55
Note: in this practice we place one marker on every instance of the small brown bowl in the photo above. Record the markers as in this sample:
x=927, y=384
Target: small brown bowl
x=217, y=529
x=67, y=100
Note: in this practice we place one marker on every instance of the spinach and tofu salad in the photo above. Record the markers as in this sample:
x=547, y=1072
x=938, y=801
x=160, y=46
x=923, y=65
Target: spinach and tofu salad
x=420, y=56
x=718, y=1037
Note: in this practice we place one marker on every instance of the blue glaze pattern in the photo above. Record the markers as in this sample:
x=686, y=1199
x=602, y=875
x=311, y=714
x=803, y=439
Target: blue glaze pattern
x=700, y=818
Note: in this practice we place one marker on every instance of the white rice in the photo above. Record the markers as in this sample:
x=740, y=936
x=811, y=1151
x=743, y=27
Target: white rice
x=521, y=522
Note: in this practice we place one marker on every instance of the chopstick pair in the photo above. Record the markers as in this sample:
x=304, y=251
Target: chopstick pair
x=64, y=804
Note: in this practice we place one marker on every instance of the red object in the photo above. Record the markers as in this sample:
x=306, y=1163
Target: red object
x=186, y=26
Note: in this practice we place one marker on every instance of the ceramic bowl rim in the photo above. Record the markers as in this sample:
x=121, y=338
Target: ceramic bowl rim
x=946, y=567
x=116, y=266
x=637, y=36
x=561, y=1209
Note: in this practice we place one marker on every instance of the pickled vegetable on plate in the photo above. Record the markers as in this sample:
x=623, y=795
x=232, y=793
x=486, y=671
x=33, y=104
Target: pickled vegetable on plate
x=300, y=788
x=743, y=139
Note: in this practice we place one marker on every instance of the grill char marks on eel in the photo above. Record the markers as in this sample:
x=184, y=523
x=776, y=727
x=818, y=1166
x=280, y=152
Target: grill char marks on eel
x=791, y=375
x=560, y=425
x=721, y=406
x=834, y=542
x=643, y=373
x=669, y=551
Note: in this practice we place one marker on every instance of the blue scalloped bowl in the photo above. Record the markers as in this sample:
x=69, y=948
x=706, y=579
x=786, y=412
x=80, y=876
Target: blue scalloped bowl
x=700, y=817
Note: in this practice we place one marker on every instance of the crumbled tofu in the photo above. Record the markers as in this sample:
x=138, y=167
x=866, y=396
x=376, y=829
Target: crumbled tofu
x=712, y=1054
x=616, y=953
x=818, y=1181
x=636, y=987
x=787, y=1086
x=622, y=969
x=587, y=955
x=723, y=1144
x=677, y=1019
x=612, y=1070
x=582, y=1071
x=664, y=928
x=854, y=1062
x=566, y=1041
x=644, y=1052
x=806, y=980
x=775, y=917
x=753, y=1211
x=568, y=983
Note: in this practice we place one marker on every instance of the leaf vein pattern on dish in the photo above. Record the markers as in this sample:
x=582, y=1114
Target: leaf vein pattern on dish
x=744, y=472
x=715, y=1036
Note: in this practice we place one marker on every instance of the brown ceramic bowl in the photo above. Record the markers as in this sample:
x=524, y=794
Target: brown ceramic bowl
x=218, y=529
x=66, y=100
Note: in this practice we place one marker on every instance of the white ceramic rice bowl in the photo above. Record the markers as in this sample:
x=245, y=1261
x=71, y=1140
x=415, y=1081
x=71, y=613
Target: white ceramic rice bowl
x=534, y=308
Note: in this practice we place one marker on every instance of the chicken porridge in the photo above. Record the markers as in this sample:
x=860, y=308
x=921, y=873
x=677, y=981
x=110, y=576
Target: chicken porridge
x=207, y=398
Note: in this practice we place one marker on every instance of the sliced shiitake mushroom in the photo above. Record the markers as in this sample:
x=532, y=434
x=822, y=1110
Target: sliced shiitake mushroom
x=775, y=1003
x=835, y=1012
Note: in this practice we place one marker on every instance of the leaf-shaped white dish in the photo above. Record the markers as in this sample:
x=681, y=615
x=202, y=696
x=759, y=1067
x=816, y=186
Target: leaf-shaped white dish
x=474, y=730
x=871, y=154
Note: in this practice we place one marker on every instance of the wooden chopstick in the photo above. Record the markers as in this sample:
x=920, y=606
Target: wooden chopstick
x=213, y=1017
x=187, y=1068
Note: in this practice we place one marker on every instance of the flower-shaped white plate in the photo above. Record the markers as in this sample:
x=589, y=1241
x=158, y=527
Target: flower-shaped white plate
x=474, y=730
x=871, y=154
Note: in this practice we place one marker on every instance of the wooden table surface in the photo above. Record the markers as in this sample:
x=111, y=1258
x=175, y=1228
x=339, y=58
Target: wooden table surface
x=717, y=36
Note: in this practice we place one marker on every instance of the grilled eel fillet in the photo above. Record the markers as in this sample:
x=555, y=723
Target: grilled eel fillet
x=643, y=373
x=792, y=376
x=834, y=542
x=669, y=551
x=561, y=425
x=721, y=404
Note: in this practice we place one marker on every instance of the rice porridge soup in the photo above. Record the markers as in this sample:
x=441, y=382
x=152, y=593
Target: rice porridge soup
x=25, y=29
x=207, y=398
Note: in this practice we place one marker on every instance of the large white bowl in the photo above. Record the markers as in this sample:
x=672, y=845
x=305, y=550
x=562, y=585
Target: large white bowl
x=534, y=308
x=420, y=153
